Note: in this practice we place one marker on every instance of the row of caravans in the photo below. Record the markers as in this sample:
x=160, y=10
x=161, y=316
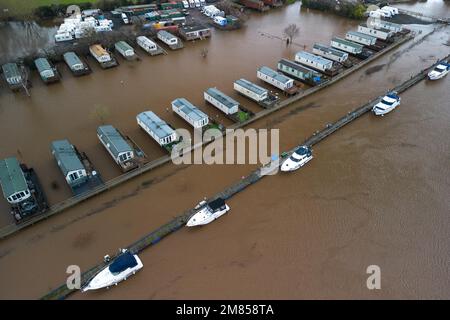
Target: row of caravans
x=193, y=3
x=14, y=74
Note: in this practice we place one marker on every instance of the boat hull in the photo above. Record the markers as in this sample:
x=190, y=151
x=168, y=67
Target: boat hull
x=200, y=218
x=289, y=165
x=105, y=278
x=379, y=112
x=437, y=76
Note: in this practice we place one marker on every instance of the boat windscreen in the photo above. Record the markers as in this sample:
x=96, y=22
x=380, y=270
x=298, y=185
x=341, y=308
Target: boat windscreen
x=123, y=262
x=216, y=204
x=386, y=102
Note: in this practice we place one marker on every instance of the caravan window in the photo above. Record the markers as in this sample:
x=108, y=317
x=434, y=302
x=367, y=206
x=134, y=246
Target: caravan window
x=73, y=176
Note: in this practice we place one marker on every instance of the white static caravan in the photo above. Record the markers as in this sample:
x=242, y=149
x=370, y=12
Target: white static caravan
x=330, y=53
x=193, y=115
x=66, y=36
x=379, y=33
x=251, y=90
x=274, y=78
x=347, y=46
x=361, y=38
x=167, y=38
x=394, y=10
x=394, y=27
x=221, y=101
x=115, y=144
x=124, y=49
x=146, y=44
x=156, y=128
x=311, y=60
x=99, y=53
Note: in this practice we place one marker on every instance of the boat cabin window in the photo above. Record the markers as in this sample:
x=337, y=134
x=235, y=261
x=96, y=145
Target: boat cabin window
x=387, y=102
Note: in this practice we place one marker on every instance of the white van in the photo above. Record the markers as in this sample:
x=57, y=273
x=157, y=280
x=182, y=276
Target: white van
x=125, y=18
x=392, y=10
x=185, y=4
x=385, y=13
x=192, y=3
x=197, y=3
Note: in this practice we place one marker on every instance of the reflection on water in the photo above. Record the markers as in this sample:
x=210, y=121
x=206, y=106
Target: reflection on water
x=20, y=39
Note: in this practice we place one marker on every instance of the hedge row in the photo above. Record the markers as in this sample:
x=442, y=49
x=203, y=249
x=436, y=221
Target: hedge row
x=346, y=9
x=54, y=10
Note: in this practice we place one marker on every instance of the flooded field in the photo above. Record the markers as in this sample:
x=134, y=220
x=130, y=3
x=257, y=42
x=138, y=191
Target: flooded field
x=437, y=8
x=376, y=192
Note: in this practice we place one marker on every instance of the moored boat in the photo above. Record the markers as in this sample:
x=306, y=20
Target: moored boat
x=298, y=159
x=208, y=212
x=388, y=103
x=439, y=71
x=125, y=265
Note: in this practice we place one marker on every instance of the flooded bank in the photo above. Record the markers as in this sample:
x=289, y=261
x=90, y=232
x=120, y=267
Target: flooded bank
x=436, y=8
x=296, y=232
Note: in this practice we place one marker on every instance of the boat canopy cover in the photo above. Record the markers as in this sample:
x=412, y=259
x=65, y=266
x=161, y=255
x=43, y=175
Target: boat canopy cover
x=216, y=204
x=302, y=150
x=123, y=262
x=393, y=95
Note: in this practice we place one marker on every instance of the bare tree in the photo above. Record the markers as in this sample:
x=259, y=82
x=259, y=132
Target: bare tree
x=100, y=113
x=204, y=52
x=291, y=31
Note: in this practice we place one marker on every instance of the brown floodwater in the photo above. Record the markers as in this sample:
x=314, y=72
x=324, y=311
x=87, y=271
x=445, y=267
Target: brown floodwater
x=376, y=192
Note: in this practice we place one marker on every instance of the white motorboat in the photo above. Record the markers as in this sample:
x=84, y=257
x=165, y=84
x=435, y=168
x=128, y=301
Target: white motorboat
x=387, y=104
x=125, y=265
x=439, y=71
x=298, y=159
x=208, y=212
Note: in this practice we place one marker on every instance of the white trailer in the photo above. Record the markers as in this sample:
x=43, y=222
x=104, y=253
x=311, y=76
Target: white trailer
x=146, y=44
x=379, y=33
x=313, y=61
x=330, y=53
x=392, y=10
x=347, y=46
x=60, y=37
x=250, y=90
x=158, y=129
x=361, y=38
x=274, y=78
x=221, y=101
x=193, y=115
x=394, y=27
x=167, y=38
x=124, y=49
x=99, y=53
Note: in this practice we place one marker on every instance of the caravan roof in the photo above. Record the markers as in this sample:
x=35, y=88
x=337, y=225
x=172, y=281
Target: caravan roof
x=12, y=179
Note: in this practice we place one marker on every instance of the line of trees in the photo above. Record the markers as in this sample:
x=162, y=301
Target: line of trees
x=345, y=8
x=54, y=10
